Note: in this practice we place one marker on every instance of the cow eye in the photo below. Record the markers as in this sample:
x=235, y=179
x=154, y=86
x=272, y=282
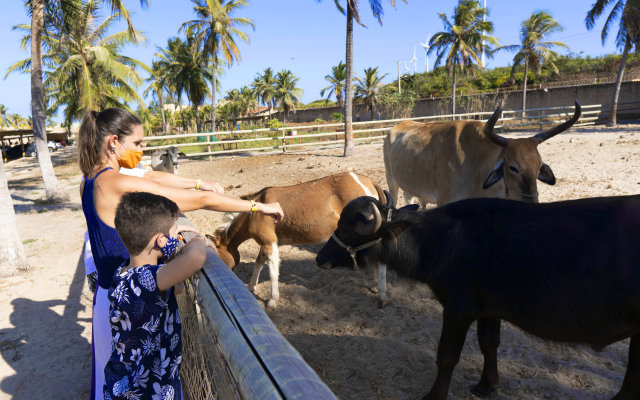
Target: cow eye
x=514, y=169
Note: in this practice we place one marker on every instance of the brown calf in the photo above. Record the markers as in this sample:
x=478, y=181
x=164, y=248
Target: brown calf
x=311, y=213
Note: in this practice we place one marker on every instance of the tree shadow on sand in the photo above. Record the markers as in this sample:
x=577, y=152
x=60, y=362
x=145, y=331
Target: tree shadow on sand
x=47, y=350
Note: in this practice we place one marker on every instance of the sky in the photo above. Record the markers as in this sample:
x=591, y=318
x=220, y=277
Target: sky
x=308, y=38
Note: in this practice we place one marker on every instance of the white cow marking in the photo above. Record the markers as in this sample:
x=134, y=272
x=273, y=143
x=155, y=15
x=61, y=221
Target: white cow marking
x=367, y=192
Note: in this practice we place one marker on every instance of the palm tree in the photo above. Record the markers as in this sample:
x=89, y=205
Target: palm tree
x=157, y=85
x=336, y=83
x=186, y=67
x=352, y=13
x=38, y=9
x=368, y=89
x=462, y=40
x=3, y=115
x=84, y=67
x=264, y=86
x=533, y=50
x=12, y=257
x=287, y=94
x=626, y=14
x=217, y=31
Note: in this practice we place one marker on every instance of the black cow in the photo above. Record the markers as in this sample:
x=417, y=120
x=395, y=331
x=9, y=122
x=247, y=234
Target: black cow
x=567, y=271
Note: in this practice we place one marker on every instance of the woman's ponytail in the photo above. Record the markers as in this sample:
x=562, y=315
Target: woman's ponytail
x=89, y=143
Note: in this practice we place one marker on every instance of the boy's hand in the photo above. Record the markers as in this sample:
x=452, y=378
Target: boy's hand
x=187, y=228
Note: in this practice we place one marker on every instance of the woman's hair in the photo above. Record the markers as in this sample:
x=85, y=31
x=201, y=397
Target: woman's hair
x=95, y=127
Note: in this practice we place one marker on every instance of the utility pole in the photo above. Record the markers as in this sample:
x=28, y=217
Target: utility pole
x=399, y=88
x=484, y=33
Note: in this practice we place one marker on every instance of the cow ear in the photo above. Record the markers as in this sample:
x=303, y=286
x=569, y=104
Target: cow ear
x=182, y=155
x=213, y=239
x=495, y=175
x=393, y=229
x=546, y=175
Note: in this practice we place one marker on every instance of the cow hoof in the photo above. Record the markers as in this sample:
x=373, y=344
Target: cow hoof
x=382, y=303
x=481, y=390
x=373, y=289
x=272, y=303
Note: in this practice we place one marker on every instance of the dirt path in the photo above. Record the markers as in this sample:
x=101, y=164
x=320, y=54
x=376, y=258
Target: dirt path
x=329, y=316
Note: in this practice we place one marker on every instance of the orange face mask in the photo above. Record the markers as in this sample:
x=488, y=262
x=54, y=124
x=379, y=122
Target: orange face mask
x=130, y=158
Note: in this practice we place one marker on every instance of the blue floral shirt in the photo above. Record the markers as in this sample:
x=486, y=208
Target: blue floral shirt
x=146, y=338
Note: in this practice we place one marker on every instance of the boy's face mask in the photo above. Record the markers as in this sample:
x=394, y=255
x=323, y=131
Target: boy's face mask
x=130, y=158
x=169, y=249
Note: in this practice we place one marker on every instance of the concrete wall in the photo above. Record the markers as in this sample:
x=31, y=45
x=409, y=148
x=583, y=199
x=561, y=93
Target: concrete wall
x=536, y=98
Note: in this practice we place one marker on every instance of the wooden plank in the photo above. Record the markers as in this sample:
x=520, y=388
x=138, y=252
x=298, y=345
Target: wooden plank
x=265, y=364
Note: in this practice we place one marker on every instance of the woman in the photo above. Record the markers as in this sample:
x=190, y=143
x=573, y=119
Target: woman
x=109, y=140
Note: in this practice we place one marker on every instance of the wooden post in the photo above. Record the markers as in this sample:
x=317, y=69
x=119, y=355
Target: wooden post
x=22, y=145
x=284, y=143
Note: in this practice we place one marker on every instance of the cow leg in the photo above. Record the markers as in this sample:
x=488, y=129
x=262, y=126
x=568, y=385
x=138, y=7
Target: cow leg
x=630, y=389
x=393, y=188
x=381, y=283
x=257, y=268
x=273, y=262
x=489, y=339
x=454, y=332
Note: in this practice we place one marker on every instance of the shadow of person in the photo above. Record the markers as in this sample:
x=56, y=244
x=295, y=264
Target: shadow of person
x=46, y=350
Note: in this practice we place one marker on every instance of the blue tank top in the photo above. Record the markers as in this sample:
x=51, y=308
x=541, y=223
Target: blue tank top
x=107, y=247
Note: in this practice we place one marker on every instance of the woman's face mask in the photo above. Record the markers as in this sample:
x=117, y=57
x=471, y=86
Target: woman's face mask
x=130, y=158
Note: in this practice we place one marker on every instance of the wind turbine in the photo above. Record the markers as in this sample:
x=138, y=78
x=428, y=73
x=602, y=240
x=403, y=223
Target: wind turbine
x=406, y=69
x=414, y=60
x=426, y=52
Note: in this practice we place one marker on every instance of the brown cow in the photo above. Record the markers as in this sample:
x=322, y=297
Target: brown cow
x=442, y=162
x=311, y=213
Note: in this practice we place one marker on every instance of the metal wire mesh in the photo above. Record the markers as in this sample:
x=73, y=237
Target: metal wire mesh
x=205, y=373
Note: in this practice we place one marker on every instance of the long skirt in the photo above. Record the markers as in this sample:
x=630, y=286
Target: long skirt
x=101, y=341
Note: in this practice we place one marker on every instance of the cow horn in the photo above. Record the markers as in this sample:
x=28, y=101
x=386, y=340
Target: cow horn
x=542, y=136
x=488, y=128
x=370, y=226
x=387, y=195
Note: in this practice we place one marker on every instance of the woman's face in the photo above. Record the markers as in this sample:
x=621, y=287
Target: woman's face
x=134, y=140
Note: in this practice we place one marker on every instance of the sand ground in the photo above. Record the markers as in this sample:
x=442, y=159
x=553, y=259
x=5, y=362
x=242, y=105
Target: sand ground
x=329, y=316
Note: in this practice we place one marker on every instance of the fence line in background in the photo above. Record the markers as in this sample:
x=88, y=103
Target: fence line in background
x=286, y=137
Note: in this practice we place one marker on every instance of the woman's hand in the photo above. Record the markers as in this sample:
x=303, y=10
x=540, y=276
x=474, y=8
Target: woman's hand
x=211, y=187
x=271, y=209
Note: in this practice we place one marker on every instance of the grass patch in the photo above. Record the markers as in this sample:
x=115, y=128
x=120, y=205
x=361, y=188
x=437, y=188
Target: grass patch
x=42, y=210
x=41, y=202
x=74, y=208
x=27, y=241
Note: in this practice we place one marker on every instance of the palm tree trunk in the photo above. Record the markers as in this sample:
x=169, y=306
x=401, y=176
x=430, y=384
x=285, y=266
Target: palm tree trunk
x=524, y=88
x=197, y=119
x=164, y=121
x=12, y=257
x=184, y=123
x=214, y=67
x=53, y=190
x=348, y=101
x=453, y=93
x=613, y=120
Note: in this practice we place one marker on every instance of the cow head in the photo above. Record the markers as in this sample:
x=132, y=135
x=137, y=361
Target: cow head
x=230, y=256
x=169, y=158
x=519, y=163
x=361, y=229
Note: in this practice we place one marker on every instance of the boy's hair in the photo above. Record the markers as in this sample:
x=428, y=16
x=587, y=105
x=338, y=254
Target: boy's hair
x=140, y=215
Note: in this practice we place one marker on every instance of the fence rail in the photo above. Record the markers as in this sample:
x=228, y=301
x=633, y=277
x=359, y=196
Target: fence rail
x=232, y=350
x=270, y=139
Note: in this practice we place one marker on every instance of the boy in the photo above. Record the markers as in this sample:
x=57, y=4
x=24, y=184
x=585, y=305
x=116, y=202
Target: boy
x=143, y=312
